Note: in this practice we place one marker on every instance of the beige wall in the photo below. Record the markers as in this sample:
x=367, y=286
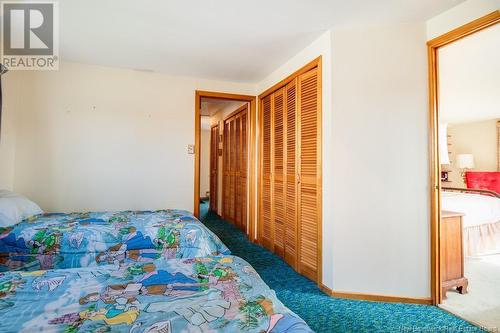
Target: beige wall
x=11, y=84
x=477, y=138
x=96, y=138
x=205, y=163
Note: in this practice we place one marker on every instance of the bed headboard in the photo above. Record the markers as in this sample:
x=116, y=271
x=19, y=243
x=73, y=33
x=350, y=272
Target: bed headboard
x=483, y=180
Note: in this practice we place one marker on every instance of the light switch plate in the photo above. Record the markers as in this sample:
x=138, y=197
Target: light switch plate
x=191, y=149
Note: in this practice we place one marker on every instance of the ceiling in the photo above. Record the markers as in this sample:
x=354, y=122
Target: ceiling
x=469, y=78
x=210, y=106
x=231, y=40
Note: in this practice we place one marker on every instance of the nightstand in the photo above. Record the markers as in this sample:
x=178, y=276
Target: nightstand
x=452, y=253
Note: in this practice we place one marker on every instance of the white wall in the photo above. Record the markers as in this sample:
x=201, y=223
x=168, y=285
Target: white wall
x=321, y=46
x=380, y=204
x=96, y=138
x=469, y=78
x=11, y=104
x=478, y=138
x=204, y=162
x=460, y=15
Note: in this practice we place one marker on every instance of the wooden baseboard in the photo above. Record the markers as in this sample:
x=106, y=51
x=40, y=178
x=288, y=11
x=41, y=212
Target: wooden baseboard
x=376, y=298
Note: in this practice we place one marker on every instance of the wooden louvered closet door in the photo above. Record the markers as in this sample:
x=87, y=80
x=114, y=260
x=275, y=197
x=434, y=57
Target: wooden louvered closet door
x=226, y=172
x=290, y=193
x=309, y=172
x=278, y=176
x=235, y=169
x=214, y=161
x=267, y=227
x=242, y=186
x=232, y=161
x=291, y=217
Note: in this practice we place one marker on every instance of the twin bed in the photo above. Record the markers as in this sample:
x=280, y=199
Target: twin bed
x=160, y=271
x=480, y=204
x=88, y=239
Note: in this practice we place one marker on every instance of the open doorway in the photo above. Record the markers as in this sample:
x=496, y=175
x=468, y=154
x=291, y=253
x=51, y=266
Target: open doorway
x=465, y=115
x=224, y=158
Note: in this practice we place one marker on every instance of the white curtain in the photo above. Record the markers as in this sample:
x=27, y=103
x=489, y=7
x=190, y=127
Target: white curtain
x=444, y=157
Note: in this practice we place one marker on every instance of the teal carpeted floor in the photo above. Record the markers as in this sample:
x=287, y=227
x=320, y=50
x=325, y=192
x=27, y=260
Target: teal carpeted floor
x=322, y=312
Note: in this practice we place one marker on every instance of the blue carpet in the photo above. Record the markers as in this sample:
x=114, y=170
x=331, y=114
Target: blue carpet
x=322, y=312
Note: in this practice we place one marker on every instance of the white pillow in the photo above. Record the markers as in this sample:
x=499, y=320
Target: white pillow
x=14, y=208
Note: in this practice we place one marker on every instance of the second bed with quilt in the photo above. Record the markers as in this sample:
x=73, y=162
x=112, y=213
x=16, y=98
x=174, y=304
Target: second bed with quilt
x=59, y=240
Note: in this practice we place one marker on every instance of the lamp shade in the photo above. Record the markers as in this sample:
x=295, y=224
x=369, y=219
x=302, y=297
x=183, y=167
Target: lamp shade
x=465, y=161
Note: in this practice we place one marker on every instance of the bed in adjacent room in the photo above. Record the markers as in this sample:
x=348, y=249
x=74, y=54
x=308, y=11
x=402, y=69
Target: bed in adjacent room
x=216, y=294
x=481, y=208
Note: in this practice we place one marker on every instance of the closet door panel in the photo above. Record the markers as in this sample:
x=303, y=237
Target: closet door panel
x=237, y=166
x=226, y=172
x=309, y=181
x=291, y=171
x=278, y=174
x=214, y=158
x=233, y=171
x=235, y=162
x=243, y=172
x=266, y=229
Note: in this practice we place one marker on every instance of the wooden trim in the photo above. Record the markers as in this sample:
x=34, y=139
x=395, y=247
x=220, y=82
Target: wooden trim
x=251, y=170
x=314, y=63
x=227, y=96
x=319, y=186
x=435, y=167
x=375, y=297
x=466, y=30
x=197, y=143
x=199, y=94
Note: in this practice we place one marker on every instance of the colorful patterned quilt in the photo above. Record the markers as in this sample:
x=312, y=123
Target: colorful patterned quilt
x=211, y=294
x=88, y=239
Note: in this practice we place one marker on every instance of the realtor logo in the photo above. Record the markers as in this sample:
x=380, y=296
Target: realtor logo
x=30, y=35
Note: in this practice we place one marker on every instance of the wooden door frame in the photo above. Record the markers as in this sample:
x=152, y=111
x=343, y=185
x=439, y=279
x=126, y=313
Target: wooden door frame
x=315, y=63
x=252, y=135
x=435, y=167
